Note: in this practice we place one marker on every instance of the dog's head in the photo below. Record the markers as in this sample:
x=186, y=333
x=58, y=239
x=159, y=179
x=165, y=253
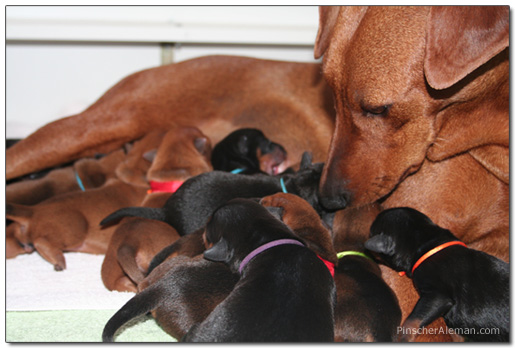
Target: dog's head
x=238, y=227
x=399, y=236
x=409, y=84
x=249, y=150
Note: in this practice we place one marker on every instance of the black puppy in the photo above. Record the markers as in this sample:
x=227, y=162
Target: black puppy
x=180, y=292
x=248, y=151
x=468, y=288
x=189, y=208
x=285, y=292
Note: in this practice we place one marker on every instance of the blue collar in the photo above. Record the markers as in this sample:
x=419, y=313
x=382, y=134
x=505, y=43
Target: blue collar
x=283, y=186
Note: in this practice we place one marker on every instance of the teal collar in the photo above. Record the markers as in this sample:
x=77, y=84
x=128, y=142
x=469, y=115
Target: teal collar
x=283, y=186
x=79, y=181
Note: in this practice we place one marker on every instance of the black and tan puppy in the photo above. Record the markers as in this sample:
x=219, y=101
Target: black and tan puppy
x=180, y=292
x=190, y=207
x=468, y=288
x=248, y=151
x=367, y=309
x=285, y=292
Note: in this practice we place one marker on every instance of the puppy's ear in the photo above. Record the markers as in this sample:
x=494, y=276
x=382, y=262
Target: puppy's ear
x=306, y=160
x=382, y=244
x=277, y=212
x=150, y=155
x=462, y=38
x=203, y=145
x=218, y=252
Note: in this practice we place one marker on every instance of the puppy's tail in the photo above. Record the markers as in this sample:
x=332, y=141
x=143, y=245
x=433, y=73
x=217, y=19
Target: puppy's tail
x=144, y=212
x=137, y=306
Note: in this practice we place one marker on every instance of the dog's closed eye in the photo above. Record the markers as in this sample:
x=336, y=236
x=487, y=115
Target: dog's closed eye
x=381, y=110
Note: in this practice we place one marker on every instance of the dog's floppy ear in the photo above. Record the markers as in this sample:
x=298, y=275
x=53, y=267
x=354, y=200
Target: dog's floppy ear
x=462, y=38
x=219, y=252
x=277, y=212
x=327, y=19
x=381, y=243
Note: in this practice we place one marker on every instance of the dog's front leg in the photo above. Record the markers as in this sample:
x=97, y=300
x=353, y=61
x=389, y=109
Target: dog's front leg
x=50, y=253
x=429, y=307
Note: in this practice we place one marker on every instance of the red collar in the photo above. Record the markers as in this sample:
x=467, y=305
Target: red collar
x=432, y=252
x=329, y=265
x=164, y=186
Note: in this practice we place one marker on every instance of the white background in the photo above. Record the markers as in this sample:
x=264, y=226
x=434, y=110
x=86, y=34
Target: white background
x=60, y=59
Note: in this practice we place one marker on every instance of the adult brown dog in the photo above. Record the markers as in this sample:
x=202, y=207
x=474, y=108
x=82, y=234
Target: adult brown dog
x=217, y=94
x=422, y=97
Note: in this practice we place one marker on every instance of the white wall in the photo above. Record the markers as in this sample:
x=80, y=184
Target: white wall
x=60, y=59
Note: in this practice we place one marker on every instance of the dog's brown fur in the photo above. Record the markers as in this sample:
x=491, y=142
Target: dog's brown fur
x=422, y=117
x=71, y=221
x=217, y=94
x=92, y=173
x=183, y=152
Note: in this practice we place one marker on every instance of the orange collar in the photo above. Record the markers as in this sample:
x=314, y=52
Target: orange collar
x=432, y=252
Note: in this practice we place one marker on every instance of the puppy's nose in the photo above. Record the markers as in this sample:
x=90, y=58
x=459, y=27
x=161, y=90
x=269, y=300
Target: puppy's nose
x=333, y=196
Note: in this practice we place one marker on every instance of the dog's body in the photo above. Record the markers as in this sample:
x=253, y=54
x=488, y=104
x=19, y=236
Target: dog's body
x=217, y=94
x=70, y=222
x=84, y=174
x=180, y=292
x=422, y=118
x=367, y=309
x=284, y=294
x=469, y=288
x=174, y=156
x=248, y=151
x=190, y=207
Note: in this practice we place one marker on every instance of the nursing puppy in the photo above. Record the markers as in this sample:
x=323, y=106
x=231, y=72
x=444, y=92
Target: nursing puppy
x=248, y=151
x=195, y=201
x=84, y=174
x=285, y=293
x=180, y=292
x=367, y=309
x=70, y=222
x=469, y=288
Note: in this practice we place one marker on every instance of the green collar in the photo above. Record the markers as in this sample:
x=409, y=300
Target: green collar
x=351, y=252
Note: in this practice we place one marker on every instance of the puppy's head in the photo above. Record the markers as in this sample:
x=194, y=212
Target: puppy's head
x=248, y=149
x=305, y=181
x=392, y=103
x=399, y=236
x=237, y=228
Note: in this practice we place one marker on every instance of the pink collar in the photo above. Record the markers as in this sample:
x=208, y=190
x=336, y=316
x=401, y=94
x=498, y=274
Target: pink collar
x=264, y=247
x=164, y=186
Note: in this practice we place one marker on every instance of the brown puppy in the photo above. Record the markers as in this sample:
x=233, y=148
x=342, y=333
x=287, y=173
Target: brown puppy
x=70, y=222
x=182, y=153
x=422, y=117
x=84, y=174
x=217, y=94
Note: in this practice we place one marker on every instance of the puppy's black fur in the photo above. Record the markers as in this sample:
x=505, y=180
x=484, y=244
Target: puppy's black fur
x=468, y=288
x=245, y=149
x=284, y=294
x=189, y=208
x=182, y=291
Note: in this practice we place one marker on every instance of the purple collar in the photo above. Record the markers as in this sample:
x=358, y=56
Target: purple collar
x=266, y=247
